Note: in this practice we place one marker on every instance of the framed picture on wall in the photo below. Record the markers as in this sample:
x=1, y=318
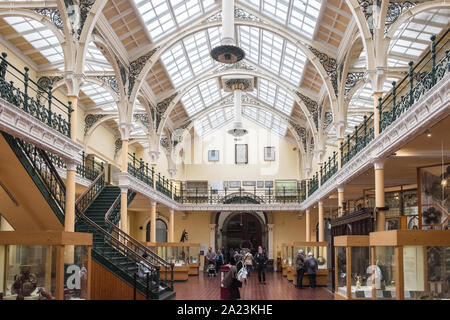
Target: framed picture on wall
x=241, y=153
x=269, y=153
x=213, y=155
x=248, y=183
x=268, y=184
x=234, y=184
x=260, y=184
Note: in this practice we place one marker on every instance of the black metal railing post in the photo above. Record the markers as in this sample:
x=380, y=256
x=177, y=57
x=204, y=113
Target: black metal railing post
x=50, y=95
x=25, y=92
x=380, y=116
x=3, y=66
x=394, y=98
x=411, y=83
x=433, y=60
x=147, y=291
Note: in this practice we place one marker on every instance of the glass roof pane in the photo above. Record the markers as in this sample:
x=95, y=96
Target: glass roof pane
x=213, y=120
x=190, y=56
x=266, y=119
x=95, y=60
x=271, y=94
x=39, y=36
x=201, y=97
x=412, y=38
x=304, y=16
x=99, y=95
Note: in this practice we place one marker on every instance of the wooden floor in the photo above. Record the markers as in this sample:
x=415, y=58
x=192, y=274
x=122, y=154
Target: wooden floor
x=276, y=288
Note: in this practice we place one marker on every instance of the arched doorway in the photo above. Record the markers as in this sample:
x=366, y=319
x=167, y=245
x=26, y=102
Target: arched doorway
x=243, y=230
x=161, y=231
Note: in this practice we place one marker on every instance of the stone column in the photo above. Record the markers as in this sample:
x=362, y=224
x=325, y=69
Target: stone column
x=212, y=236
x=379, y=194
x=69, y=214
x=124, y=167
x=270, y=227
x=308, y=226
x=321, y=222
x=153, y=222
x=340, y=201
x=171, y=225
x=124, y=209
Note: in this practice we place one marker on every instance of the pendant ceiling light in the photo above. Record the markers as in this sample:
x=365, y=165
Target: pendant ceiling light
x=237, y=86
x=228, y=52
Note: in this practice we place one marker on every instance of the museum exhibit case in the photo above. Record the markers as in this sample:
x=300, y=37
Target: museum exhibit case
x=289, y=263
x=194, y=258
x=175, y=253
x=45, y=265
x=284, y=258
x=320, y=252
x=411, y=264
x=353, y=271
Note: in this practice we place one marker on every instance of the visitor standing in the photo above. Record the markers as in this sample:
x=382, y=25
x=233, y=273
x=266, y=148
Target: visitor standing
x=231, y=282
x=300, y=266
x=210, y=257
x=219, y=260
x=261, y=264
x=248, y=261
x=312, y=265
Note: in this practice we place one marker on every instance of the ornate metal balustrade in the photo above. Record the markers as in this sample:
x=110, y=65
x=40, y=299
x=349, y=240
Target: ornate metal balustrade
x=141, y=170
x=430, y=69
x=88, y=169
x=329, y=168
x=313, y=184
x=18, y=89
x=41, y=170
x=421, y=77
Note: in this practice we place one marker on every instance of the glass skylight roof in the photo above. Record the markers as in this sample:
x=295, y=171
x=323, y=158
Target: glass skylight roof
x=213, y=120
x=272, y=52
x=270, y=121
x=271, y=94
x=299, y=15
x=39, y=36
x=201, y=96
x=413, y=36
x=163, y=17
x=95, y=60
x=190, y=56
x=100, y=96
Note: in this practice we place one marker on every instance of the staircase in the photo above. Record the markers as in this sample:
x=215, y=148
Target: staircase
x=98, y=212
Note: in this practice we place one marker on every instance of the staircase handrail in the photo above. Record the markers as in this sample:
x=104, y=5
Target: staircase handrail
x=129, y=239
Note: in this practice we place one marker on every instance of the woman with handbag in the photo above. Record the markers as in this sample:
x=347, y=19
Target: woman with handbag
x=231, y=282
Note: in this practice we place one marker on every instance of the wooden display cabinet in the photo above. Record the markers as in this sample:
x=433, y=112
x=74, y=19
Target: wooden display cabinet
x=193, y=258
x=411, y=264
x=172, y=252
x=285, y=258
x=319, y=250
x=50, y=260
x=352, y=267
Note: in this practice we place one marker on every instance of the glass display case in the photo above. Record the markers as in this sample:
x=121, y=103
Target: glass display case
x=173, y=252
x=45, y=265
x=353, y=271
x=284, y=258
x=194, y=258
x=411, y=264
x=320, y=252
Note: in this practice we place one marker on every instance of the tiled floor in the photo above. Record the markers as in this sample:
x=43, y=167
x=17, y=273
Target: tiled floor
x=277, y=288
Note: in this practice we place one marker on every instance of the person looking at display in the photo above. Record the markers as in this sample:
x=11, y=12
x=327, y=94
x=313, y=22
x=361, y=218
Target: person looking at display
x=261, y=263
x=312, y=265
x=210, y=257
x=219, y=260
x=300, y=266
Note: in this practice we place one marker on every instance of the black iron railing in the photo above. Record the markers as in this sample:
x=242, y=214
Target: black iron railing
x=141, y=170
x=329, y=168
x=88, y=169
x=17, y=88
x=40, y=168
x=313, y=184
x=421, y=77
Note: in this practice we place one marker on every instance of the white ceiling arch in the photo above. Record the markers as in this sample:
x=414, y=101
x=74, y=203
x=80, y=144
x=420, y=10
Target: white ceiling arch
x=191, y=30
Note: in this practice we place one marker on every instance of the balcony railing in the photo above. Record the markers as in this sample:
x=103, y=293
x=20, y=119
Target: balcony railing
x=329, y=168
x=88, y=169
x=431, y=68
x=17, y=88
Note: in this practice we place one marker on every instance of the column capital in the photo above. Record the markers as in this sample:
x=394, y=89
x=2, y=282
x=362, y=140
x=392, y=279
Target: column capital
x=378, y=163
x=123, y=189
x=270, y=226
x=71, y=164
x=153, y=203
x=320, y=203
x=171, y=211
x=340, y=189
x=308, y=211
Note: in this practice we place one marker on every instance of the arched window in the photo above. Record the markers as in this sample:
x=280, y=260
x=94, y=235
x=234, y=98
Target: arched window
x=161, y=231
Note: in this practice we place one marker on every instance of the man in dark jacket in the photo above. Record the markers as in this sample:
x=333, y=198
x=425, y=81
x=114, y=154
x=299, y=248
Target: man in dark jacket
x=300, y=266
x=311, y=268
x=261, y=263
